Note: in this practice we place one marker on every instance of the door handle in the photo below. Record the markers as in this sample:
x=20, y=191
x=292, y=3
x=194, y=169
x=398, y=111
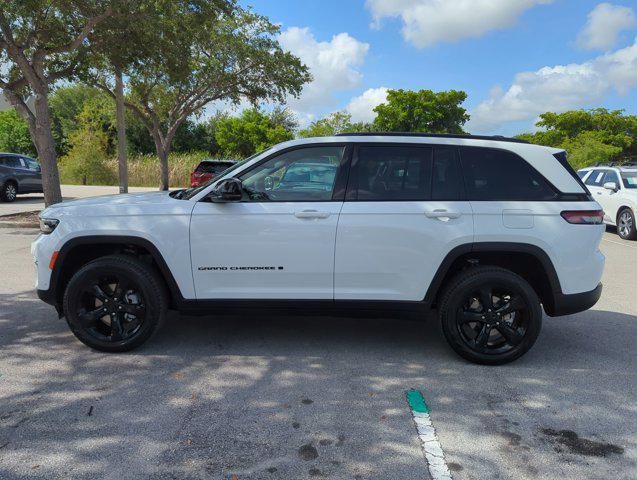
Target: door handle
x=442, y=214
x=311, y=214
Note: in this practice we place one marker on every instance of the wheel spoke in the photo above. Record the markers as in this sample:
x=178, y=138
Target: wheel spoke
x=117, y=332
x=88, y=319
x=97, y=291
x=515, y=303
x=138, y=310
x=486, y=298
x=122, y=287
x=469, y=317
x=510, y=334
x=483, y=337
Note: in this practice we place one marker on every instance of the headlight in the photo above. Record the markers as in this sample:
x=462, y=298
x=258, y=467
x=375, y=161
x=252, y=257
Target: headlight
x=47, y=225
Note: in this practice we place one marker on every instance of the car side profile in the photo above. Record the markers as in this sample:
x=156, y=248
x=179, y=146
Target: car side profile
x=615, y=188
x=485, y=231
x=18, y=174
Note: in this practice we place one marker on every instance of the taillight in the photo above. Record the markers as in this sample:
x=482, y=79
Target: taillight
x=584, y=217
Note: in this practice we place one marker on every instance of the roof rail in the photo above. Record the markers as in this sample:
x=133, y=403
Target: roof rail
x=497, y=138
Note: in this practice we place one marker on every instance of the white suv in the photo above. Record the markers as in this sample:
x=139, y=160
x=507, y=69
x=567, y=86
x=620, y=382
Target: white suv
x=485, y=230
x=615, y=188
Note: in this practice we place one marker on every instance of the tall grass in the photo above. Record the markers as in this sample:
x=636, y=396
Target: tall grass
x=143, y=170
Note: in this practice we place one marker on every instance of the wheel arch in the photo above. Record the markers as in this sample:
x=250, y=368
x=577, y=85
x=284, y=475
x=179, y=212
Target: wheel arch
x=529, y=261
x=78, y=251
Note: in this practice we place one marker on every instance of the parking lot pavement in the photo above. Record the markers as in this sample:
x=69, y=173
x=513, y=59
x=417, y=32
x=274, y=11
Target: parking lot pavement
x=275, y=398
x=35, y=201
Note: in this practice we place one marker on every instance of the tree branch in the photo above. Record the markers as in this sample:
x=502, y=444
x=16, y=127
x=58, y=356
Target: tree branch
x=86, y=30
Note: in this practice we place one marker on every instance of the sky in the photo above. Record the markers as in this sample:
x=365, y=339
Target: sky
x=514, y=58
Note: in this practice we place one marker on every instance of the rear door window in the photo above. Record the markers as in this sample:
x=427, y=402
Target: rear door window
x=491, y=174
x=390, y=173
x=596, y=178
x=446, y=182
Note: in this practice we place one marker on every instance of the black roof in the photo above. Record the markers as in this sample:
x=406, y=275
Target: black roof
x=497, y=138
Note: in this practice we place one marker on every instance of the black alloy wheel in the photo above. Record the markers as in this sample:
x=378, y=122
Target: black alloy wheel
x=490, y=315
x=114, y=303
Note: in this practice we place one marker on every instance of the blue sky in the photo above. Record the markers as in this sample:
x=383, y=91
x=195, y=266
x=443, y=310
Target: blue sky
x=579, y=54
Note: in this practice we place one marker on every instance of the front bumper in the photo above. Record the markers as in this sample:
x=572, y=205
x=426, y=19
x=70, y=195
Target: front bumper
x=573, y=303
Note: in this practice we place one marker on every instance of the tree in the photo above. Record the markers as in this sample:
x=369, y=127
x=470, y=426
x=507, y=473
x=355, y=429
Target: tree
x=421, y=111
x=65, y=104
x=43, y=42
x=590, y=136
x=228, y=54
x=14, y=134
x=249, y=133
x=335, y=123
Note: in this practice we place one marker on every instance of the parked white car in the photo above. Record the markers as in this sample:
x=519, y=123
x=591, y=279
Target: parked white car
x=485, y=230
x=615, y=189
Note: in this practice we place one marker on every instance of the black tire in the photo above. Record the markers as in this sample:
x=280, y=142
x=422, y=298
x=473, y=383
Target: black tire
x=130, y=296
x=626, y=227
x=497, y=306
x=9, y=191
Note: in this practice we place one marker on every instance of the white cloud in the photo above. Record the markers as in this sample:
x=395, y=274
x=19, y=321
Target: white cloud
x=604, y=25
x=427, y=22
x=557, y=89
x=334, y=66
x=362, y=107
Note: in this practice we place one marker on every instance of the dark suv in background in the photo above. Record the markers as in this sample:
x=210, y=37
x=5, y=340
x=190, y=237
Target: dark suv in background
x=18, y=174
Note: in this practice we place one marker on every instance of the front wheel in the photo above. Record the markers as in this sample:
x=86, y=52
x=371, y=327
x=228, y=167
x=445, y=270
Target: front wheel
x=115, y=303
x=490, y=315
x=9, y=192
x=626, y=225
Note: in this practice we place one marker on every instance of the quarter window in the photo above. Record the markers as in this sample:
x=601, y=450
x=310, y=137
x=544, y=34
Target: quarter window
x=387, y=173
x=492, y=174
x=302, y=175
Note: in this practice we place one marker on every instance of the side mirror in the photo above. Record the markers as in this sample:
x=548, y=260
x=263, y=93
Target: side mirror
x=229, y=190
x=611, y=186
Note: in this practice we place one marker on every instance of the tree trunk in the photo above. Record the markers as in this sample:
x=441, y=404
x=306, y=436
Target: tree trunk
x=45, y=145
x=162, y=154
x=121, y=133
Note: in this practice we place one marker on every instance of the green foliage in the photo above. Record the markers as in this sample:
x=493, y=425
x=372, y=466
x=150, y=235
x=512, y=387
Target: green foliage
x=421, y=111
x=86, y=161
x=66, y=103
x=335, y=123
x=251, y=132
x=589, y=136
x=14, y=134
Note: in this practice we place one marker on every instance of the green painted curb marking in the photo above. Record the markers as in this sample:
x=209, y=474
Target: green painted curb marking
x=417, y=401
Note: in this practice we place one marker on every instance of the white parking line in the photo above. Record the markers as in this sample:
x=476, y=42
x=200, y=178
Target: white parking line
x=619, y=243
x=427, y=433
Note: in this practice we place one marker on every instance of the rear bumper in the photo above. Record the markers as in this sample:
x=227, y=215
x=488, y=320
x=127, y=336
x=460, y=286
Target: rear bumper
x=573, y=303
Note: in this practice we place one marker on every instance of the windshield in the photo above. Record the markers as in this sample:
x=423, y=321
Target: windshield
x=188, y=193
x=630, y=179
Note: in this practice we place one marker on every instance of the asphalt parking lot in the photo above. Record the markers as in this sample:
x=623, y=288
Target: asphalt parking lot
x=290, y=398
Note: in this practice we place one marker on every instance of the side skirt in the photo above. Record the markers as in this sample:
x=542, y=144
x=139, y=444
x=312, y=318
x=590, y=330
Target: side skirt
x=345, y=308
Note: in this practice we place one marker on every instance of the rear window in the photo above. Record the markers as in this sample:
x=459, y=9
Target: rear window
x=492, y=174
x=213, y=167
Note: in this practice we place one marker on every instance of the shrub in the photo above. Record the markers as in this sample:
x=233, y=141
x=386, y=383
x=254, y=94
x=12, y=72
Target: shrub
x=85, y=163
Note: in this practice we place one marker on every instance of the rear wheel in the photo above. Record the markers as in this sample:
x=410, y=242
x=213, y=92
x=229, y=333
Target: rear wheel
x=626, y=227
x=9, y=192
x=115, y=303
x=490, y=315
